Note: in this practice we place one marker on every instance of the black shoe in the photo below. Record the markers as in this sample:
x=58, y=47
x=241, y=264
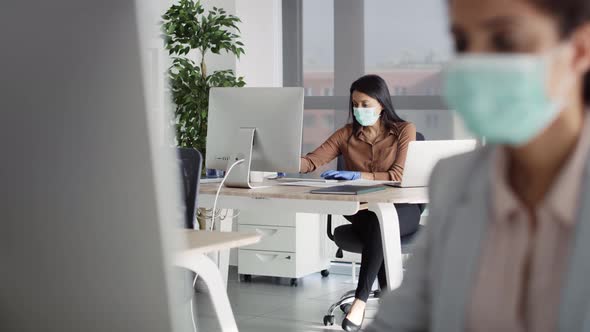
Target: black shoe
x=349, y=326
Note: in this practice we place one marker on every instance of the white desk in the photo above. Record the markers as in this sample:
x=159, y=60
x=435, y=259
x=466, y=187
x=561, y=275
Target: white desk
x=299, y=199
x=194, y=258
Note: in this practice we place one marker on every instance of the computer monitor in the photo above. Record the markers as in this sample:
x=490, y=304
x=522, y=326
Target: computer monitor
x=262, y=126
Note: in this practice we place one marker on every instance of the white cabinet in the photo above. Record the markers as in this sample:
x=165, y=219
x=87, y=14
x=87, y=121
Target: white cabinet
x=292, y=246
x=274, y=238
x=267, y=263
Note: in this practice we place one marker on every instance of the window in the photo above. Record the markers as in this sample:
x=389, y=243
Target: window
x=405, y=42
x=318, y=125
x=318, y=45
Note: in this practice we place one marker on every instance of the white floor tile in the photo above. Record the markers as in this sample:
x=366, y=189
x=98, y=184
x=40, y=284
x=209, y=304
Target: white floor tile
x=305, y=311
x=245, y=304
x=313, y=286
x=263, y=324
x=210, y=324
x=266, y=305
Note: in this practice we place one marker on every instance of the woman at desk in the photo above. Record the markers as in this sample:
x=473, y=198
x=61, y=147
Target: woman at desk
x=374, y=147
x=506, y=247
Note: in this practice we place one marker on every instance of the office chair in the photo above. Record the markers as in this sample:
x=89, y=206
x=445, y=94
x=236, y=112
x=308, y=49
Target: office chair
x=190, y=161
x=347, y=240
x=190, y=164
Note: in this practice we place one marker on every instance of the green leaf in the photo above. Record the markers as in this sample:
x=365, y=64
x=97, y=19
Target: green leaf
x=185, y=27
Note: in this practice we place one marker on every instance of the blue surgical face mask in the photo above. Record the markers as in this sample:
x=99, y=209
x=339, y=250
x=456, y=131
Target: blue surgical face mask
x=366, y=116
x=503, y=98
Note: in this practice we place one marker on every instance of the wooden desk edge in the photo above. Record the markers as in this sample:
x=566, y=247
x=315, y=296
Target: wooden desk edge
x=390, y=195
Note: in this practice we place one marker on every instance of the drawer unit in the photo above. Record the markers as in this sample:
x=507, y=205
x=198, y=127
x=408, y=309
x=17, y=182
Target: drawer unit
x=274, y=238
x=266, y=263
x=291, y=246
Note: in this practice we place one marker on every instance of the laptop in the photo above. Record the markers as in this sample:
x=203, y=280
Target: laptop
x=424, y=155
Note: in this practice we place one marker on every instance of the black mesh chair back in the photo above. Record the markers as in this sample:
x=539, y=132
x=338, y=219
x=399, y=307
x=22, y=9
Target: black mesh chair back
x=190, y=166
x=420, y=137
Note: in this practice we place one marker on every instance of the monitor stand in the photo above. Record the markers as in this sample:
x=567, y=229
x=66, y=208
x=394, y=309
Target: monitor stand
x=239, y=177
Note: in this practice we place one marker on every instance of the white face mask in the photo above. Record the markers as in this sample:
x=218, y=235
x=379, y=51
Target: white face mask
x=366, y=116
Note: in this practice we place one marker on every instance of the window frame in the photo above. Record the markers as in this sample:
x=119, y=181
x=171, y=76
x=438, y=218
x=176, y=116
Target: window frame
x=348, y=28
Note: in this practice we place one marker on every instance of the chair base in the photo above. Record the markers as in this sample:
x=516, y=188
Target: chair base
x=344, y=304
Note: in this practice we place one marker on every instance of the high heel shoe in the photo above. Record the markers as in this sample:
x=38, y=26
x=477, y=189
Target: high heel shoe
x=349, y=326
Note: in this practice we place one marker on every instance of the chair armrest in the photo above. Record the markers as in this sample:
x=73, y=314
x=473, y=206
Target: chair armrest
x=329, y=228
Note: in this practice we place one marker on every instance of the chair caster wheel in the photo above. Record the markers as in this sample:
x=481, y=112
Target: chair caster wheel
x=328, y=320
x=247, y=278
x=325, y=273
x=294, y=282
x=345, y=307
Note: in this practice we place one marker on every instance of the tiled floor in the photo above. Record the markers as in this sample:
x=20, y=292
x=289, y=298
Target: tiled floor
x=270, y=305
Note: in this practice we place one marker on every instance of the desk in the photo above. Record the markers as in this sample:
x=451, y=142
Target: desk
x=299, y=199
x=194, y=258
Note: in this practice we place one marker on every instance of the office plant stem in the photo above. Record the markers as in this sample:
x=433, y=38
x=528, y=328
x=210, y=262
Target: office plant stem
x=203, y=65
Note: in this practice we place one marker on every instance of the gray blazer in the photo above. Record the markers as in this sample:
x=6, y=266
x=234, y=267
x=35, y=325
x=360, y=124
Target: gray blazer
x=436, y=288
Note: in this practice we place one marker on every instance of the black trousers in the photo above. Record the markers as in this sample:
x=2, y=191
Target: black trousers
x=366, y=226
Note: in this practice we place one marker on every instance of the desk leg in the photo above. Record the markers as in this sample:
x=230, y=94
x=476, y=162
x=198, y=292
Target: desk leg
x=208, y=272
x=390, y=236
x=223, y=262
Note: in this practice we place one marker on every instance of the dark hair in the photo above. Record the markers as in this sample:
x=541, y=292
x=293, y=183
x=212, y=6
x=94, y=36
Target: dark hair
x=570, y=14
x=375, y=87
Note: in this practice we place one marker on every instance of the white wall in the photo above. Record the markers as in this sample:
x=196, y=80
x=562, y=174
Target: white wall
x=261, y=33
x=262, y=65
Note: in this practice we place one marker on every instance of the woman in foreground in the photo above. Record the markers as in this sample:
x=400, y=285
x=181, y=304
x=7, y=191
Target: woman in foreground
x=507, y=243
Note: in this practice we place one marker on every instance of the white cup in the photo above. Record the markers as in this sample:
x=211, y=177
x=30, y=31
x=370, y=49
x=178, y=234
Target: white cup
x=256, y=177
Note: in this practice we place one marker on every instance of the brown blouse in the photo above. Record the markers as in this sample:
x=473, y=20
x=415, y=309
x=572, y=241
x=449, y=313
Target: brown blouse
x=382, y=160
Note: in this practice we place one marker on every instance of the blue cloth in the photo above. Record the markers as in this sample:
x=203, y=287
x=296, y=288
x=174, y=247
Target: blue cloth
x=341, y=175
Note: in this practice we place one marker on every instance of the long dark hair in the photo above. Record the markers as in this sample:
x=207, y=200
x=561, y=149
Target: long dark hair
x=570, y=14
x=375, y=87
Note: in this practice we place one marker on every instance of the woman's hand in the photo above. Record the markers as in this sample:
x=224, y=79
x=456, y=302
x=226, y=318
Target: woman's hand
x=341, y=175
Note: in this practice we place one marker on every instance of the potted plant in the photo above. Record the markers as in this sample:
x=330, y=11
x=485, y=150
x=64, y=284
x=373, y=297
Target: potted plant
x=186, y=29
x=190, y=34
